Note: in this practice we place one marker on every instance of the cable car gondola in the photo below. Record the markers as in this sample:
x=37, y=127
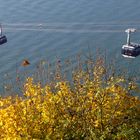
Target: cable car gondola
x=130, y=50
x=3, y=38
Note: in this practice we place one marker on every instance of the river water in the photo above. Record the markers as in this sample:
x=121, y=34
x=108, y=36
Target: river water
x=50, y=29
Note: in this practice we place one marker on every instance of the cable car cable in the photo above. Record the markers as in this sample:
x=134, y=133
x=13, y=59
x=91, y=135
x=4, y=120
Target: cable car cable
x=68, y=27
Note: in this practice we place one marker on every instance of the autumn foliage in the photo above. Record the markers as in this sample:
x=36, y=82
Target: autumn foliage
x=95, y=105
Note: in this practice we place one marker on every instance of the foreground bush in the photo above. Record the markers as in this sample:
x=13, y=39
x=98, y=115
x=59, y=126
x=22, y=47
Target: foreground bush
x=95, y=105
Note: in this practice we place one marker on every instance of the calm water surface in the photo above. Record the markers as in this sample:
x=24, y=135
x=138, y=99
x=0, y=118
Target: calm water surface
x=46, y=29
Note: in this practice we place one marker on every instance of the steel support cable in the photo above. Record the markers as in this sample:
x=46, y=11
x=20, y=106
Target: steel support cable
x=68, y=27
x=75, y=23
x=66, y=30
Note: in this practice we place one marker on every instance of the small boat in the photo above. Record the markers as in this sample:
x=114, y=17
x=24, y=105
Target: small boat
x=130, y=50
x=3, y=38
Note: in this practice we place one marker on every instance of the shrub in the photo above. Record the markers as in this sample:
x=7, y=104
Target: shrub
x=95, y=105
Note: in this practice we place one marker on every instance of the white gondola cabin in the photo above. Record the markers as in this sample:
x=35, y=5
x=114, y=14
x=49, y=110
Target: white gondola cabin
x=130, y=49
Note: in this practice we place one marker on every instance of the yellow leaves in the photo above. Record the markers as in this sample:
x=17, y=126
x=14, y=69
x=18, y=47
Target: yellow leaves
x=31, y=89
x=90, y=96
x=1, y=103
x=96, y=123
x=47, y=90
x=62, y=111
x=63, y=87
x=132, y=86
x=5, y=102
